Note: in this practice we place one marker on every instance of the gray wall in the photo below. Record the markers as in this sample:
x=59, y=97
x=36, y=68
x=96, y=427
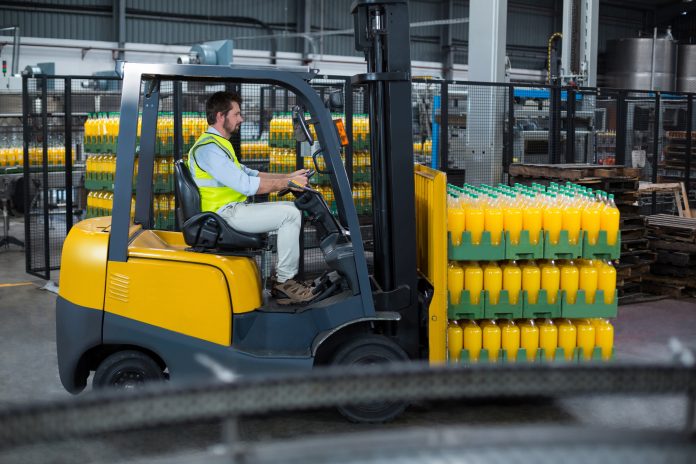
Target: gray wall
x=182, y=22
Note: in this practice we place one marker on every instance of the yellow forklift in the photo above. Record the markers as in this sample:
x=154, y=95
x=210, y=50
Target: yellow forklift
x=138, y=304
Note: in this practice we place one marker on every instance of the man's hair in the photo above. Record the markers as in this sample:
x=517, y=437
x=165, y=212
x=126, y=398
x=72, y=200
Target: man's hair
x=220, y=102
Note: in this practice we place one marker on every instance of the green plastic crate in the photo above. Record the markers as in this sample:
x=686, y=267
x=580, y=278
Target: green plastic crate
x=563, y=249
x=582, y=309
x=484, y=251
x=601, y=249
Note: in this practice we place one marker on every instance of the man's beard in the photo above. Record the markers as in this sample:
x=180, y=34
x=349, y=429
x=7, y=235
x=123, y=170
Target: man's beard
x=230, y=128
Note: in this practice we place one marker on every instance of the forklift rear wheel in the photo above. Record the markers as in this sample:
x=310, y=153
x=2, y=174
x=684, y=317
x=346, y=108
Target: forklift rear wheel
x=127, y=370
x=365, y=350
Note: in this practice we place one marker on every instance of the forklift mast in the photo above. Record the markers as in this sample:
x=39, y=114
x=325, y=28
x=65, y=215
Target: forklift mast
x=382, y=32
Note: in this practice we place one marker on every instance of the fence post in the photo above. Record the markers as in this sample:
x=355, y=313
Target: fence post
x=68, y=156
x=689, y=145
x=620, y=153
x=44, y=135
x=178, y=132
x=555, y=124
x=570, y=126
x=444, y=126
x=26, y=170
x=348, y=108
x=656, y=154
x=509, y=148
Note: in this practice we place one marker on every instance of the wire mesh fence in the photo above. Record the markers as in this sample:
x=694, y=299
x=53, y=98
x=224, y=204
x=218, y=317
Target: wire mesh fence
x=472, y=131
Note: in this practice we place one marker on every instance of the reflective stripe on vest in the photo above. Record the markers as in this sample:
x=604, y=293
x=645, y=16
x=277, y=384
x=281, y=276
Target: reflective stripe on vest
x=214, y=194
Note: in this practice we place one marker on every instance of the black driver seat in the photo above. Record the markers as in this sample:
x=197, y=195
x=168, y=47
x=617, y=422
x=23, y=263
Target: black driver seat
x=207, y=230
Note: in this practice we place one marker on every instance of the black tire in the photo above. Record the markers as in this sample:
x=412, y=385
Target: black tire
x=127, y=370
x=365, y=350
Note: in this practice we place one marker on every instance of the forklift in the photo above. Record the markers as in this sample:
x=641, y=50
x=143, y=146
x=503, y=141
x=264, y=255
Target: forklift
x=139, y=305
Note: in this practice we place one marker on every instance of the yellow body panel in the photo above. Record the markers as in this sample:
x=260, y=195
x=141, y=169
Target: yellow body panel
x=431, y=246
x=241, y=272
x=188, y=298
x=83, y=262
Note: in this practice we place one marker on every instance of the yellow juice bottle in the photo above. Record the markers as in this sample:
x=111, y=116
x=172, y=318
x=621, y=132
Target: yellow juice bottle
x=90, y=204
x=585, y=337
x=455, y=341
x=473, y=340
x=591, y=222
x=570, y=280
x=473, y=281
x=512, y=281
x=492, y=282
x=548, y=338
x=606, y=281
x=532, y=220
x=455, y=282
x=475, y=221
x=512, y=222
x=588, y=280
x=553, y=221
x=609, y=221
x=493, y=221
x=571, y=222
x=529, y=338
x=567, y=338
x=604, y=337
x=456, y=221
x=510, y=339
x=531, y=281
x=491, y=339
x=550, y=281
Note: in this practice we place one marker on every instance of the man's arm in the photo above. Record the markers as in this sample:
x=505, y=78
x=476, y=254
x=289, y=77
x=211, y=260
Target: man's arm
x=288, y=175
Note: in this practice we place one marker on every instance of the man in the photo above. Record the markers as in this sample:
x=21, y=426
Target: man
x=225, y=184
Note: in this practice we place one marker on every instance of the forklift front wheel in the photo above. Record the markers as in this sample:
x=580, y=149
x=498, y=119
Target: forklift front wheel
x=126, y=370
x=366, y=350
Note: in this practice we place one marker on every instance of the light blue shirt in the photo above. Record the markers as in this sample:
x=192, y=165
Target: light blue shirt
x=215, y=162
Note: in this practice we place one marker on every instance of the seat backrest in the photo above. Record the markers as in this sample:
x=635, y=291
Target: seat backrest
x=187, y=190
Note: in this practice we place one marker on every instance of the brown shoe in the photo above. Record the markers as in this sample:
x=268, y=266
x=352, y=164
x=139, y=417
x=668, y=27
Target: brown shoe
x=292, y=292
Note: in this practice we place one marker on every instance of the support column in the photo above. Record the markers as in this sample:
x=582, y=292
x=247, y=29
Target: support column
x=580, y=38
x=446, y=41
x=486, y=105
x=120, y=27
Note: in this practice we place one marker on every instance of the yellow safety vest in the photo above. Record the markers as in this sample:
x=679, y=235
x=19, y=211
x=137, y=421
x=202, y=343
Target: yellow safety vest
x=214, y=194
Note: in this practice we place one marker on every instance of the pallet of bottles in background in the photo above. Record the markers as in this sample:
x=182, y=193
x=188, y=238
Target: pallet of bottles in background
x=100, y=203
x=101, y=132
x=530, y=340
x=281, y=133
x=100, y=171
x=520, y=222
x=565, y=289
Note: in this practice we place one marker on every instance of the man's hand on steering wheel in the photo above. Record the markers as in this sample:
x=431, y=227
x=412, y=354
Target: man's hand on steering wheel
x=299, y=172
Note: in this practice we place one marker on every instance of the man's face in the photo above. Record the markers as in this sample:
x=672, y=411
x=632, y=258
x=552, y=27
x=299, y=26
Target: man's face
x=233, y=119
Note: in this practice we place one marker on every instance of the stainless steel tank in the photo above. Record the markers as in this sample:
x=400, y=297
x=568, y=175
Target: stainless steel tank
x=686, y=68
x=641, y=64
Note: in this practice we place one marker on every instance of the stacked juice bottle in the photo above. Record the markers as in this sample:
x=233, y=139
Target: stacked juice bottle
x=529, y=309
x=101, y=139
x=540, y=329
x=558, y=215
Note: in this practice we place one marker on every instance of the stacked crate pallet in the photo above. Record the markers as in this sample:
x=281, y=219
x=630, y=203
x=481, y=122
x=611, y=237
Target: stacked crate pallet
x=621, y=181
x=673, y=239
x=673, y=164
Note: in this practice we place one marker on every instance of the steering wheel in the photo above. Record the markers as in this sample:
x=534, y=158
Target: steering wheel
x=298, y=189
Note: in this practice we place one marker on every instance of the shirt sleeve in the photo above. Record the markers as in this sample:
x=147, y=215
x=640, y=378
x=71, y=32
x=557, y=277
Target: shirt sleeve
x=249, y=171
x=215, y=162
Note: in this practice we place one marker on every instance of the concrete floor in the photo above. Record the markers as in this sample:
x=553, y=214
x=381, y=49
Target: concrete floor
x=28, y=374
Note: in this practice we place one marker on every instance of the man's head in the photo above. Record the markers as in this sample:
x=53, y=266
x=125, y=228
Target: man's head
x=224, y=112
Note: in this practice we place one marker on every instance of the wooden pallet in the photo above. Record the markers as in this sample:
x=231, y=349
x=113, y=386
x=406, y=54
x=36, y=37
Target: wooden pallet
x=667, y=227
x=676, y=188
x=572, y=172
